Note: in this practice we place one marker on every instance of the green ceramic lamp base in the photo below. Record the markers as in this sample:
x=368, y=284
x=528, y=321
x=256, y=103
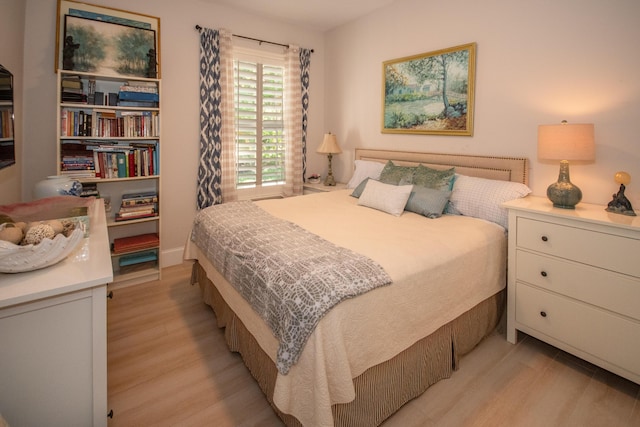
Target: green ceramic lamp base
x=563, y=193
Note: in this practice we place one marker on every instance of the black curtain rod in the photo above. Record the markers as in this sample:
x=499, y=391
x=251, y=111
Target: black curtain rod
x=199, y=28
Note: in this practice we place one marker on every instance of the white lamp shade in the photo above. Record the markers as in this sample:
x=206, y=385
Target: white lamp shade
x=566, y=142
x=329, y=145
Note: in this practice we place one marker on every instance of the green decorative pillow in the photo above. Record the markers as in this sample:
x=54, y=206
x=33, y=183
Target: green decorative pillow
x=433, y=178
x=357, y=192
x=427, y=201
x=397, y=175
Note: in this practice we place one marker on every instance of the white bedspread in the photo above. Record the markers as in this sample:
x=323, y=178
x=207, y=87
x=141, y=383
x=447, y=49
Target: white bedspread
x=440, y=269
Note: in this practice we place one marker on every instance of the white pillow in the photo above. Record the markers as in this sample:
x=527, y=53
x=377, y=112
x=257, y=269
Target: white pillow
x=388, y=198
x=481, y=197
x=365, y=169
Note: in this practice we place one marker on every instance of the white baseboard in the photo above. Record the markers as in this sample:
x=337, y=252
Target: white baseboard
x=171, y=256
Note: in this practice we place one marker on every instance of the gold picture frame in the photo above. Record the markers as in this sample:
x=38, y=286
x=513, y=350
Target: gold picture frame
x=430, y=93
x=111, y=28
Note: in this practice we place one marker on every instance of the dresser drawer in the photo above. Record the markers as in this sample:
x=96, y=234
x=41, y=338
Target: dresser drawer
x=611, y=291
x=583, y=327
x=595, y=248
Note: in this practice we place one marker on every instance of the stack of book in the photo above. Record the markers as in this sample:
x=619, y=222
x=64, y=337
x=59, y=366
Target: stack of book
x=89, y=189
x=71, y=90
x=139, y=94
x=77, y=159
x=138, y=205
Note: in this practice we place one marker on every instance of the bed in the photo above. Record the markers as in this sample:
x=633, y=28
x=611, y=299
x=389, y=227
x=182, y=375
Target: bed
x=372, y=353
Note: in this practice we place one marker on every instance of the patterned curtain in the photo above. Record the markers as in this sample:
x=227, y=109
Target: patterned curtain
x=295, y=117
x=216, y=171
x=305, y=65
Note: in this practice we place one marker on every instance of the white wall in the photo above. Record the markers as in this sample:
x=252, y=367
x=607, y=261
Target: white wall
x=180, y=117
x=538, y=62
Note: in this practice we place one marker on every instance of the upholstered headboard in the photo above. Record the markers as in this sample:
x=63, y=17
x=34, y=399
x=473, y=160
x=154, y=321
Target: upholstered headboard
x=492, y=167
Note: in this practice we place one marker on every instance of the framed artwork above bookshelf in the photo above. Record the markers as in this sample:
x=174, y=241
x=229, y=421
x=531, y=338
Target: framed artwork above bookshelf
x=106, y=41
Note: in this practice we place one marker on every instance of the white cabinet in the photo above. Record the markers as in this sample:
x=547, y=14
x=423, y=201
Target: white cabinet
x=53, y=337
x=108, y=137
x=574, y=281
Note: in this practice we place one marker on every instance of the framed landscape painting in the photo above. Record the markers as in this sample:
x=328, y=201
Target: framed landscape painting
x=106, y=41
x=430, y=93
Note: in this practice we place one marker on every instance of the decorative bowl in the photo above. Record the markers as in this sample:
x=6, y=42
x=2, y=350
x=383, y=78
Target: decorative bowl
x=17, y=259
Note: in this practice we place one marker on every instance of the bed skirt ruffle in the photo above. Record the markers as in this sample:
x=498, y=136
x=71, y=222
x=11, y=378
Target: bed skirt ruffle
x=382, y=389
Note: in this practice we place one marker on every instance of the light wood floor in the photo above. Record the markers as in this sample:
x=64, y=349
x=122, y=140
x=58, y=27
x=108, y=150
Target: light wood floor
x=168, y=365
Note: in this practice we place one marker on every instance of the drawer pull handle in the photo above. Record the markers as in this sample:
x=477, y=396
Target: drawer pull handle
x=545, y=238
x=543, y=273
x=543, y=313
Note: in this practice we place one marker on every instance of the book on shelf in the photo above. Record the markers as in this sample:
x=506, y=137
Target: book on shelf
x=71, y=80
x=141, y=266
x=148, y=87
x=6, y=124
x=144, y=197
x=112, y=99
x=142, y=83
x=71, y=84
x=98, y=98
x=134, y=215
x=89, y=189
x=138, y=258
x=138, y=261
x=135, y=243
x=139, y=104
x=72, y=96
x=91, y=92
x=79, y=174
x=138, y=96
x=138, y=208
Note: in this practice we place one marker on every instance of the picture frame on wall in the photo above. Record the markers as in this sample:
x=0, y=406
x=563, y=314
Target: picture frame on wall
x=430, y=93
x=106, y=41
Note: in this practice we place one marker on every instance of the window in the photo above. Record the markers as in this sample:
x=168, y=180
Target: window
x=259, y=124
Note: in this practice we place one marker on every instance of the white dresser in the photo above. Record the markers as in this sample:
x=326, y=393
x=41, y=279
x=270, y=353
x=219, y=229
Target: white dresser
x=574, y=281
x=53, y=337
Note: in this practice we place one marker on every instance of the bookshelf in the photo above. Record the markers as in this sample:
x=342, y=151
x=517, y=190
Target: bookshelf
x=108, y=138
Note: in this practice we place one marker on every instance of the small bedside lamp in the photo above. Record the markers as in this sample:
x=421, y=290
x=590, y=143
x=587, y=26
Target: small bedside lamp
x=565, y=142
x=620, y=204
x=330, y=147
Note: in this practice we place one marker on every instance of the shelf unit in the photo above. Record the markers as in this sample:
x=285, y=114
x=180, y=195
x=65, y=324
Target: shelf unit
x=101, y=141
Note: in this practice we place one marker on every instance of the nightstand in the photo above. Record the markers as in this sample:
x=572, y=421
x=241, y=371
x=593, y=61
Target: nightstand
x=574, y=281
x=309, y=188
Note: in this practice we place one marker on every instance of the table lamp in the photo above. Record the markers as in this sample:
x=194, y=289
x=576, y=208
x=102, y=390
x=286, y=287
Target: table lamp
x=565, y=142
x=330, y=147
